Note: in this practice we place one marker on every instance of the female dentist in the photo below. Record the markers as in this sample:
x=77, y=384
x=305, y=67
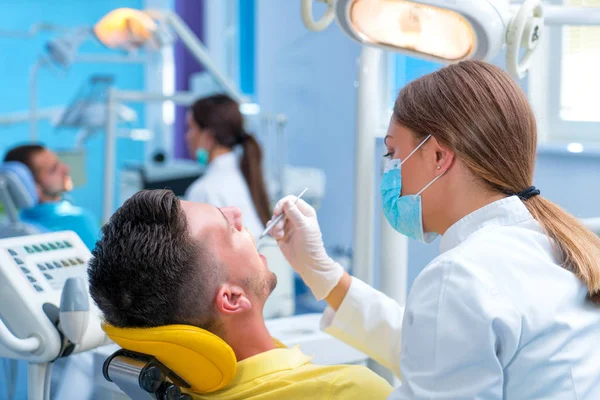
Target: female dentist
x=511, y=307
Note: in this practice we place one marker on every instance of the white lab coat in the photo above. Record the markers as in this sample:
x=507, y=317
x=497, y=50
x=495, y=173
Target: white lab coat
x=224, y=185
x=493, y=317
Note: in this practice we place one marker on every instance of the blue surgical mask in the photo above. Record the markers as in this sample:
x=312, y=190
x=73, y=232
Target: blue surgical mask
x=202, y=156
x=404, y=213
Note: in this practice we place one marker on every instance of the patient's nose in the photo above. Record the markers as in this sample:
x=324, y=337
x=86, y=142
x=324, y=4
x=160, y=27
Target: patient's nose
x=234, y=216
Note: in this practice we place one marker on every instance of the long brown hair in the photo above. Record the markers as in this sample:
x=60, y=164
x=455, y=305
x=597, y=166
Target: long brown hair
x=221, y=114
x=476, y=110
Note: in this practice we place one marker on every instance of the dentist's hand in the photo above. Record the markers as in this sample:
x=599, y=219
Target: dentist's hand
x=299, y=238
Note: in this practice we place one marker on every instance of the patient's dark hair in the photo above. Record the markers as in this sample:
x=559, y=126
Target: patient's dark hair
x=24, y=154
x=147, y=271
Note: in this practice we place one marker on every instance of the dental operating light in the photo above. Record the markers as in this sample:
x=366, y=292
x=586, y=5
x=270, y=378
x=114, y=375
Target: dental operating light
x=425, y=29
x=449, y=31
x=127, y=29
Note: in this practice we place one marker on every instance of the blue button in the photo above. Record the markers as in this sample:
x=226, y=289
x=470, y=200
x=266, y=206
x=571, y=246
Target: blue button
x=12, y=252
x=31, y=279
x=41, y=267
x=38, y=288
x=57, y=265
x=49, y=266
x=25, y=270
x=19, y=261
x=48, y=276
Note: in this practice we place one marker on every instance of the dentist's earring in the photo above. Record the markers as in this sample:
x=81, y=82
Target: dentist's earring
x=438, y=167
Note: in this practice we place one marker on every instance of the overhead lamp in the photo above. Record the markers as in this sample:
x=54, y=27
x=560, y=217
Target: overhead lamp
x=121, y=29
x=439, y=30
x=127, y=29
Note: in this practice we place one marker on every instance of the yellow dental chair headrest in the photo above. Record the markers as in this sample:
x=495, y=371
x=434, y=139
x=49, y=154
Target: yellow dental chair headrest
x=199, y=357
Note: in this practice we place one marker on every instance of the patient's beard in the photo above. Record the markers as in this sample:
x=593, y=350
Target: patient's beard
x=271, y=282
x=53, y=192
x=263, y=287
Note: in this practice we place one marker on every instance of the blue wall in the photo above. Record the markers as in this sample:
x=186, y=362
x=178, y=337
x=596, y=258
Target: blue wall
x=18, y=55
x=56, y=90
x=310, y=77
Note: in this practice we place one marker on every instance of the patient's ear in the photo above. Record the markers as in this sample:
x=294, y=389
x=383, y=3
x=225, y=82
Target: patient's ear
x=231, y=299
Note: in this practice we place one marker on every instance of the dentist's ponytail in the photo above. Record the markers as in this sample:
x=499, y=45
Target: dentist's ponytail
x=476, y=110
x=579, y=248
x=251, y=166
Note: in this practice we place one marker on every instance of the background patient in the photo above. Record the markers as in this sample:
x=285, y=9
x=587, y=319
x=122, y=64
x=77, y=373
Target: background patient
x=52, y=181
x=162, y=261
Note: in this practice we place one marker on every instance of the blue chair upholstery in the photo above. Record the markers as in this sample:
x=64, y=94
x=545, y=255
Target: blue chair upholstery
x=20, y=184
x=17, y=191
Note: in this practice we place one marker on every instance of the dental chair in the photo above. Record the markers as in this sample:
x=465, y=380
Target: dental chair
x=168, y=362
x=17, y=191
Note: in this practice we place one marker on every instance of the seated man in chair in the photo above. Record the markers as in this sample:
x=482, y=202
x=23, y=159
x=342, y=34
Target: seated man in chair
x=52, y=181
x=162, y=261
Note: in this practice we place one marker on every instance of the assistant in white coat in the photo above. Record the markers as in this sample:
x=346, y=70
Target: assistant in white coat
x=511, y=307
x=215, y=132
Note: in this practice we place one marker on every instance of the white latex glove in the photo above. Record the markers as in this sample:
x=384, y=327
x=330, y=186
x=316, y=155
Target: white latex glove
x=300, y=240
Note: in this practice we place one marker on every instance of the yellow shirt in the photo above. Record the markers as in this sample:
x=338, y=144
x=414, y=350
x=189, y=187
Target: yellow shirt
x=282, y=374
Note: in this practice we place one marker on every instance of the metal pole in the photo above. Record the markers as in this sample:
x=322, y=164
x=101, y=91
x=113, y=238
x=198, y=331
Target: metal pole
x=37, y=387
x=575, y=16
x=25, y=116
x=33, y=120
x=280, y=150
x=113, y=99
x=111, y=58
x=394, y=262
x=369, y=112
x=110, y=150
x=185, y=98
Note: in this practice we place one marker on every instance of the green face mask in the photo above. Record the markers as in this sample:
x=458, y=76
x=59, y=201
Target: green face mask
x=202, y=156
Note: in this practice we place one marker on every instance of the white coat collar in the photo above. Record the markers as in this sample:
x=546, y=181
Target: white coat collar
x=223, y=161
x=507, y=211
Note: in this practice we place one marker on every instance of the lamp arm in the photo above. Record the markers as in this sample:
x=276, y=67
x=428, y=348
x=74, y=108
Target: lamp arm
x=577, y=16
x=199, y=51
x=323, y=22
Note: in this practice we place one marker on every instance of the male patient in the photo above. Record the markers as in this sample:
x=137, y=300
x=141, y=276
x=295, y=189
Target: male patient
x=52, y=180
x=163, y=261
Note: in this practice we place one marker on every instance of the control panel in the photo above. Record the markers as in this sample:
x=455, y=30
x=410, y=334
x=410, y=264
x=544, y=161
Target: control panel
x=33, y=272
x=45, y=265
